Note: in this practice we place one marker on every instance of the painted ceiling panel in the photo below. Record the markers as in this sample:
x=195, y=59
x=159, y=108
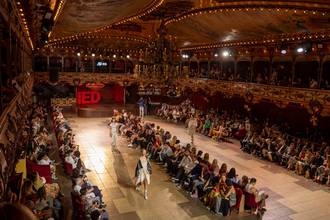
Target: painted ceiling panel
x=84, y=15
x=239, y=25
x=113, y=43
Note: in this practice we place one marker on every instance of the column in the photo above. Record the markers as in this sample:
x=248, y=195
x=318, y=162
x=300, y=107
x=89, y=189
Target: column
x=235, y=67
x=125, y=66
x=109, y=64
x=198, y=70
x=188, y=68
x=77, y=65
x=293, y=70
x=208, y=68
x=320, y=70
x=93, y=63
x=270, y=66
x=62, y=64
x=180, y=68
x=251, y=69
x=47, y=63
x=221, y=70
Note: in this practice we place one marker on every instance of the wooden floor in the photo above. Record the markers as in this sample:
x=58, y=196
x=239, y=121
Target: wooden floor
x=291, y=196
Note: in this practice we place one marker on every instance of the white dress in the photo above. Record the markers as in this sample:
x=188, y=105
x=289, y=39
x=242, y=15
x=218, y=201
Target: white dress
x=113, y=134
x=192, y=125
x=143, y=172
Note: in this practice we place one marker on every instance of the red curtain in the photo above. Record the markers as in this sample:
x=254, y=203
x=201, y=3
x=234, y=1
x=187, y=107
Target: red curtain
x=118, y=93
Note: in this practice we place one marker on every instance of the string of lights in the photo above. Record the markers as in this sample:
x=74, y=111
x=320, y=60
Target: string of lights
x=128, y=38
x=20, y=12
x=57, y=13
x=59, y=9
x=82, y=50
x=251, y=6
x=274, y=39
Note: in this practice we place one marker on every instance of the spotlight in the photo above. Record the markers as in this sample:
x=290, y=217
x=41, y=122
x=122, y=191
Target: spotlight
x=283, y=51
x=78, y=54
x=93, y=54
x=216, y=55
x=300, y=50
x=114, y=56
x=185, y=56
x=225, y=53
x=127, y=56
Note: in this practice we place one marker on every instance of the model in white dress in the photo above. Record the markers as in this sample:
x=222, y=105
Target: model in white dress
x=192, y=125
x=143, y=172
x=113, y=133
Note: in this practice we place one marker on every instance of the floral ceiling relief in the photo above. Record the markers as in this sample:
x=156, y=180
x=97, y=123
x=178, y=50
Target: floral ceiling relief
x=244, y=25
x=85, y=15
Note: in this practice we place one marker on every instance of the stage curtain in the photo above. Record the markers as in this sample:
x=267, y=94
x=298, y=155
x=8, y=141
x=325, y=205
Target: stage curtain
x=118, y=93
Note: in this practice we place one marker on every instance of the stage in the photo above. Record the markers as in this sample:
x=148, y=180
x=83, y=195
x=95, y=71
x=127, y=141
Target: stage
x=103, y=110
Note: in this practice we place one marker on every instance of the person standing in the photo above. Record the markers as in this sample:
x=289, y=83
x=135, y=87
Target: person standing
x=141, y=107
x=113, y=133
x=149, y=106
x=142, y=173
x=192, y=125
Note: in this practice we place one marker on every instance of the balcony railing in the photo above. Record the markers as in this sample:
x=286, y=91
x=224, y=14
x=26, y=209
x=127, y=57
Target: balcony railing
x=251, y=92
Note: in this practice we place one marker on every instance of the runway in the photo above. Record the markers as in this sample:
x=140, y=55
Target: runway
x=291, y=196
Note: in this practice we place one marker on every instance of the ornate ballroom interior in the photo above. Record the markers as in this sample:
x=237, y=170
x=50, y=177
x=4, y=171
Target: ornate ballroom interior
x=251, y=76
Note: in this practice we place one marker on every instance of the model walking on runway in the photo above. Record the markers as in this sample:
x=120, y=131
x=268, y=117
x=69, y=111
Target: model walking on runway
x=143, y=172
x=192, y=125
x=113, y=133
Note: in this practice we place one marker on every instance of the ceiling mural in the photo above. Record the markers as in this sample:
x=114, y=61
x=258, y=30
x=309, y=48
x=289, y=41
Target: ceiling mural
x=85, y=15
x=145, y=29
x=171, y=8
x=113, y=42
x=243, y=25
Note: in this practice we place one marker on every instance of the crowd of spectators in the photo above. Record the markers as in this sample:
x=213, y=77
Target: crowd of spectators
x=263, y=140
x=281, y=75
x=86, y=197
x=218, y=125
x=219, y=188
x=40, y=192
x=301, y=155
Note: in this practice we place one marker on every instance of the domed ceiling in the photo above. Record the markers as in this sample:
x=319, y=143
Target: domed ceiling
x=189, y=22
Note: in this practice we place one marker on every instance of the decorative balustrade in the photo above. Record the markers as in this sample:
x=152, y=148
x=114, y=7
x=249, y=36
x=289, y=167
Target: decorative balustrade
x=312, y=99
x=74, y=78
